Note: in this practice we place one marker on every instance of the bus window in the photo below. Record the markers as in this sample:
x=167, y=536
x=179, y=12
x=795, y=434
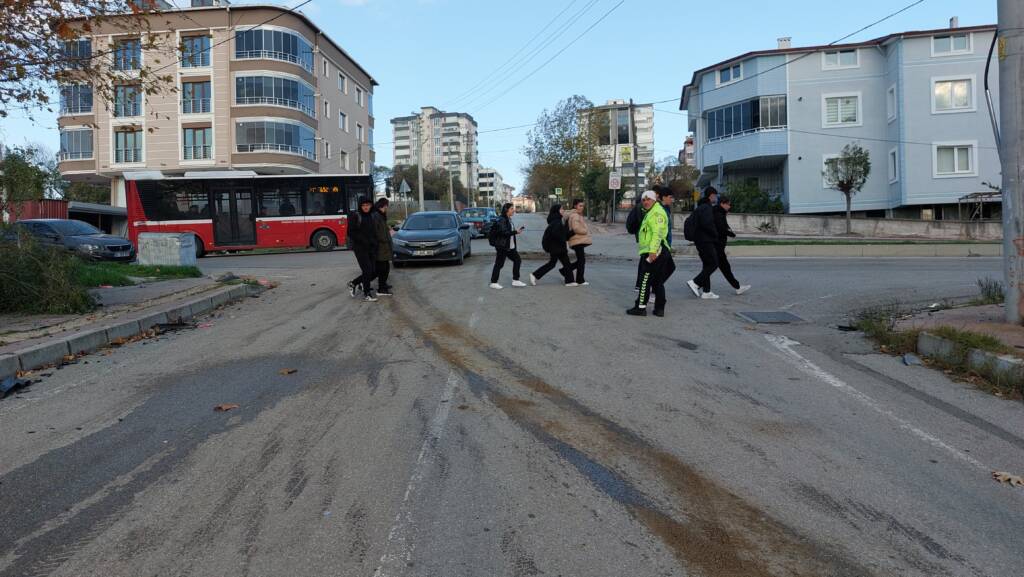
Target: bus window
x=174, y=200
x=323, y=200
x=279, y=197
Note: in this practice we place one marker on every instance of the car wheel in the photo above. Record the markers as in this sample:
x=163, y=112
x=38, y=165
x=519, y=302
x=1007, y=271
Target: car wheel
x=324, y=241
x=200, y=249
x=462, y=256
x=469, y=248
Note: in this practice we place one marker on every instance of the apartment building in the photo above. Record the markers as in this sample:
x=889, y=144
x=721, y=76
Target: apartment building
x=616, y=138
x=441, y=140
x=914, y=100
x=686, y=154
x=277, y=98
x=492, y=188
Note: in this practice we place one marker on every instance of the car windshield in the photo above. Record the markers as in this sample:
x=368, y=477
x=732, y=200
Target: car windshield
x=429, y=222
x=474, y=213
x=74, y=227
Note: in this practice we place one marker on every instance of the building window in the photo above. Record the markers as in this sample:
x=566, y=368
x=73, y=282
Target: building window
x=195, y=97
x=839, y=59
x=890, y=103
x=76, y=144
x=326, y=67
x=198, y=143
x=894, y=168
x=327, y=149
x=952, y=95
x=274, y=44
x=127, y=101
x=78, y=53
x=369, y=102
x=622, y=126
x=327, y=109
x=276, y=91
x=369, y=138
x=825, y=160
x=342, y=83
x=765, y=113
x=362, y=167
x=955, y=159
x=195, y=51
x=949, y=44
x=729, y=74
x=275, y=136
x=841, y=110
x=128, y=54
x=76, y=99
x=128, y=146
x=359, y=132
x=343, y=159
x=342, y=121
x=359, y=96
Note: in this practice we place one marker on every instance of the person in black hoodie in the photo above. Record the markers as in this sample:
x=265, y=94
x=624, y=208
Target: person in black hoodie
x=724, y=232
x=705, y=239
x=362, y=235
x=504, y=234
x=553, y=242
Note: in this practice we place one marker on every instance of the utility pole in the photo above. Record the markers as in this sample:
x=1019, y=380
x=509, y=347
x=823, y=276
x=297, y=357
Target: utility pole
x=636, y=159
x=469, y=168
x=419, y=157
x=1011, y=61
x=451, y=178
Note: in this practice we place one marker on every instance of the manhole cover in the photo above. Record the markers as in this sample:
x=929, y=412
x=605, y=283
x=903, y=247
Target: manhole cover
x=770, y=317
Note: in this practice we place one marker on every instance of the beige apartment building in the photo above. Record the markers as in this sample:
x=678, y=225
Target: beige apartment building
x=254, y=88
x=617, y=137
x=442, y=139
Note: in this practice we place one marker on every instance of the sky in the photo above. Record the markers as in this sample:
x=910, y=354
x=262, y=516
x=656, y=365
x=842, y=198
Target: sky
x=455, y=55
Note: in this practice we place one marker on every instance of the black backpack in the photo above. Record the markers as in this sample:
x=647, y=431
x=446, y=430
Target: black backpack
x=689, y=227
x=546, y=240
x=492, y=235
x=633, y=220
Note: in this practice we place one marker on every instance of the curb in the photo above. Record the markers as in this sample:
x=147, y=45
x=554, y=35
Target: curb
x=93, y=339
x=999, y=367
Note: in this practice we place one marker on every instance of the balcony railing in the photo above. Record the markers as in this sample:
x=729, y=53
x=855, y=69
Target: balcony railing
x=127, y=62
x=195, y=106
x=748, y=131
x=272, y=55
x=268, y=147
x=276, y=102
x=76, y=108
x=127, y=155
x=198, y=152
x=196, y=59
x=126, y=109
x=75, y=155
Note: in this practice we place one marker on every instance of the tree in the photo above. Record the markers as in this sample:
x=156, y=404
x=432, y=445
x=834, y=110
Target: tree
x=435, y=183
x=595, y=188
x=382, y=179
x=560, y=148
x=37, y=49
x=847, y=173
x=21, y=180
x=747, y=197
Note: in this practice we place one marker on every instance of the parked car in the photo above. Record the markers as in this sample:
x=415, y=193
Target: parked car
x=432, y=236
x=480, y=219
x=79, y=237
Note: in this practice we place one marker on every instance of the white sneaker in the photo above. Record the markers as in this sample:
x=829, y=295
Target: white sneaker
x=518, y=283
x=533, y=280
x=497, y=286
x=708, y=295
x=693, y=287
x=742, y=289
x=584, y=283
x=571, y=284
x=352, y=290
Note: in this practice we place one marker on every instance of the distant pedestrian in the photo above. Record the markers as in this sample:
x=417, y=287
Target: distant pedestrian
x=504, y=235
x=666, y=199
x=579, y=240
x=362, y=236
x=724, y=233
x=705, y=238
x=653, y=247
x=553, y=243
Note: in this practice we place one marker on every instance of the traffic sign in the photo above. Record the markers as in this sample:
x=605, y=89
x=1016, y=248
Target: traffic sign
x=404, y=188
x=614, y=180
x=558, y=192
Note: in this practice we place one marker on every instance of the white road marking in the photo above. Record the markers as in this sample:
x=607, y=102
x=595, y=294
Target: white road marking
x=785, y=345
x=475, y=317
x=399, y=546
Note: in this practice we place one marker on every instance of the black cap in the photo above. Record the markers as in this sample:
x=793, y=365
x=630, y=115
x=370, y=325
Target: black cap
x=364, y=200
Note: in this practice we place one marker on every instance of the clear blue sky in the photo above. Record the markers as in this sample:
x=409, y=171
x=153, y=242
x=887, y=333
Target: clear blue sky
x=429, y=52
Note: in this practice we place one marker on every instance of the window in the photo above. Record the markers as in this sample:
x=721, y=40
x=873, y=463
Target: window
x=321, y=203
x=343, y=159
x=370, y=137
x=326, y=67
x=952, y=95
x=277, y=91
x=76, y=99
x=78, y=53
x=198, y=143
x=275, y=136
x=826, y=159
x=195, y=97
x=369, y=102
x=729, y=74
x=280, y=198
x=890, y=103
x=765, y=113
x=342, y=121
x=127, y=101
x=274, y=44
x=894, y=169
x=342, y=83
x=622, y=126
x=362, y=167
x=128, y=54
x=359, y=96
x=841, y=110
x=954, y=159
x=195, y=51
x=359, y=132
x=128, y=146
x=839, y=59
x=949, y=44
x=76, y=144
x=327, y=109
x=327, y=149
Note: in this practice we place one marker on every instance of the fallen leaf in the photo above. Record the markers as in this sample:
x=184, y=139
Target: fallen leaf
x=1012, y=480
x=69, y=358
x=287, y=371
x=119, y=341
x=225, y=407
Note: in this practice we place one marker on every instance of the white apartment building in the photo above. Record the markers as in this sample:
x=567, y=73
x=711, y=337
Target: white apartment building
x=616, y=138
x=441, y=139
x=492, y=191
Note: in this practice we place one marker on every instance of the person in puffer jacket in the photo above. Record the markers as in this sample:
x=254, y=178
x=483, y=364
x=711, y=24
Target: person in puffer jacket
x=553, y=243
x=504, y=234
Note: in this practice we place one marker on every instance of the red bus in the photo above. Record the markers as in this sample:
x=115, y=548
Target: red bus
x=243, y=210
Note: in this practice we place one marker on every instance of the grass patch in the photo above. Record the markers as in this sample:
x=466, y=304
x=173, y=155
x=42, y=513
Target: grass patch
x=39, y=280
x=785, y=242
x=992, y=292
x=94, y=274
x=879, y=324
x=967, y=340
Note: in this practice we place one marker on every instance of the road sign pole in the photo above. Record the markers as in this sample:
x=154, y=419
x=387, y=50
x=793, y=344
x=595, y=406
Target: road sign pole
x=1011, y=43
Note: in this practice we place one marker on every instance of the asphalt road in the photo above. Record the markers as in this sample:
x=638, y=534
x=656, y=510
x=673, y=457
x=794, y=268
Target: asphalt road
x=457, y=430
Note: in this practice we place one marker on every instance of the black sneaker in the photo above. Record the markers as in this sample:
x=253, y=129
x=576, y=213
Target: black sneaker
x=370, y=297
x=659, y=312
x=637, y=312
x=385, y=292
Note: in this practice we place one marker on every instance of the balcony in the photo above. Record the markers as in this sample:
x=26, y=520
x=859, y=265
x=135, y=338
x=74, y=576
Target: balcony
x=273, y=55
x=196, y=60
x=274, y=101
x=75, y=155
x=72, y=109
x=761, y=143
x=268, y=147
x=195, y=106
x=128, y=155
x=197, y=152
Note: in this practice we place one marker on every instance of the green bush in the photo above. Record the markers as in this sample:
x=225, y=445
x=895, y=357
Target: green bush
x=747, y=197
x=38, y=279
x=991, y=290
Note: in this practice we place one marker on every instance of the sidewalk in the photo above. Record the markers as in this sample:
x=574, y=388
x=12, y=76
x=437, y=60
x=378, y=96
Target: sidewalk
x=983, y=319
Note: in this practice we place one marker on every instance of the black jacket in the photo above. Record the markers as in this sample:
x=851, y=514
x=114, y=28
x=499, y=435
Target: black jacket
x=503, y=233
x=704, y=219
x=383, y=235
x=722, y=226
x=556, y=235
x=362, y=232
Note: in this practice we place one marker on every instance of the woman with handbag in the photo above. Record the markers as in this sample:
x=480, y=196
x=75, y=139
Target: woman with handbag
x=579, y=240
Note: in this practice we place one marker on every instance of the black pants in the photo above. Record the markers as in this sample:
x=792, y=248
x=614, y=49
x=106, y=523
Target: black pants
x=709, y=263
x=723, y=265
x=639, y=271
x=366, y=266
x=562, y=257
x=652, y=280
x=381, y=271
x=499, y=262
x=580, y=266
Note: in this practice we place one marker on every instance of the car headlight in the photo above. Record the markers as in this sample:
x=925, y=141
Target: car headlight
x=399, y=242
x=450, y=240
x=88, y=247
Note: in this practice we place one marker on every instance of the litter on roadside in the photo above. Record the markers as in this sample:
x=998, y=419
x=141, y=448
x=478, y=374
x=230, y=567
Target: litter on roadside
x=910, y=359
x=1007, y=478
x=225, y=407
x=287, y=371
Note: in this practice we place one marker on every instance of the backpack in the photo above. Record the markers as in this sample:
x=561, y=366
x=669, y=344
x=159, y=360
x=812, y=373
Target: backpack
x=689, y=227
x=547, y=240
x=633, y=220
x=492, y=235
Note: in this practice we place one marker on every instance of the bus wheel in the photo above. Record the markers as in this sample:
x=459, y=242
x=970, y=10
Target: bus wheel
x=324, y=240
x=200, y=249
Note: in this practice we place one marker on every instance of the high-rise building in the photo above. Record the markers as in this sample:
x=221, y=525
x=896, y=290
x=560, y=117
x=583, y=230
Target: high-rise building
x=615, y=140
x=492, y=188
x=280, y=98
x=441, y=139
x=686, y=157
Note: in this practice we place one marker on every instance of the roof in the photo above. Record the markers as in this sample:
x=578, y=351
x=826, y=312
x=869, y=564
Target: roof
x=799, y=50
